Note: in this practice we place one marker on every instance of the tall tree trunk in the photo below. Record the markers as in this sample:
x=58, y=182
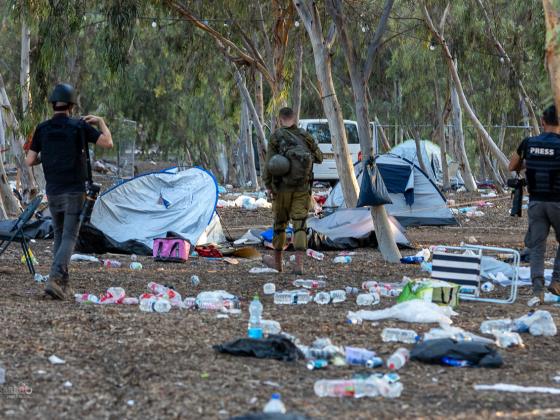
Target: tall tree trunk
x=248, y=137
x=451, y=64
x=259, y=99
x=552, y=46
x=384, y=139
x=441, y=138
x=24, y=70
x=298, y=74
x=459, y=137
x=419, y=154
x=8, y=201
x=321, y=54
x=17, y=141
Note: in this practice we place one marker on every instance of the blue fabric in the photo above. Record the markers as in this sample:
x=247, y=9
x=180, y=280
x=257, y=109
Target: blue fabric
x=372, y=188
x=396, y=180
x=269, y=233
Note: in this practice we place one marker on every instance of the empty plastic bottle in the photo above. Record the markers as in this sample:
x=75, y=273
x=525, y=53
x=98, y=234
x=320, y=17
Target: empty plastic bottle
x=411, y=259
x=399, y=335
x=275, y=405
x=135, y=265
x=111, y=263
x=487, y=287
x=361, y=357
x=398, y=359
x=86, y=298
x=342, y=259
x=269, y=288
x=309, y=284
x=322, y=298
x=255, y=315
x=189, y=302
x=154, y=304
x=364, y=299
x=297, y=297
x=2, y=373
x=509, y=339
x=133, y=257
x=315, y=254
x=317, y=364
x=496, y=326
x=352, y=290
x=357, y=388
x=157, y=288
x=195, y=280
x=39, y=278
x=370, y=284
x=551, y=298
x=338, y=296
x=210, y=303
x=269, y=326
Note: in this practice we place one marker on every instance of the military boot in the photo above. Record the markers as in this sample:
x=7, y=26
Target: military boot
x=298, y=268
x=276, y=261
x=55, y=288
x=538, y=288
x=554, y=287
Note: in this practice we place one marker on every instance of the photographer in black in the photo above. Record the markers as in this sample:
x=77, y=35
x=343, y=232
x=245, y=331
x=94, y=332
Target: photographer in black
x=540, y=157
x=60, y=144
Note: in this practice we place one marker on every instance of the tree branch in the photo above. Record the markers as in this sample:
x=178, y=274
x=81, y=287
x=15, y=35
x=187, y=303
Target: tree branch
x=373, y=46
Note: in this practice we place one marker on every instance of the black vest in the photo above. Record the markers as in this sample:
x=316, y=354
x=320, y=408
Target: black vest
x=542, y=160
x=63, y=151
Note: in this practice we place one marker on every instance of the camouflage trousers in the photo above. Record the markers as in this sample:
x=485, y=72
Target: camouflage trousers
x=292, y=206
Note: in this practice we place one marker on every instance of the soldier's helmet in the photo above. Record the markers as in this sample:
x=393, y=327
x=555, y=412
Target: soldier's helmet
x=63, y=92
x=279, y=165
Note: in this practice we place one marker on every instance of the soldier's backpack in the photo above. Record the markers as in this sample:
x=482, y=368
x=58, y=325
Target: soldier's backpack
x=295, y=149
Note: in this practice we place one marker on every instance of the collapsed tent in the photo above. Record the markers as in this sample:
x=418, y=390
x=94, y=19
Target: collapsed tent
x=431, y=156
x=417, y=200
x=349, y=228
x=173, y=202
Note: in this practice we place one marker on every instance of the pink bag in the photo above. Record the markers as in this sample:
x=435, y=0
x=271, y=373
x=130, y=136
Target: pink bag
x=171, y=249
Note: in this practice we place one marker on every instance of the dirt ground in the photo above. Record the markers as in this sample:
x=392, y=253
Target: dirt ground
x=122, y=363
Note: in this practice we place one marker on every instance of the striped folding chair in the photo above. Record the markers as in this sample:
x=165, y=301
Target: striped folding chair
x=461, y=265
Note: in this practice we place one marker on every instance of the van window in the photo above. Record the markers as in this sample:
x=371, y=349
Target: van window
x=322, y=134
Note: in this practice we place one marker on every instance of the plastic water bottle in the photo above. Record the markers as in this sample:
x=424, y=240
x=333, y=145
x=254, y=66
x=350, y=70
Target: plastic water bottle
x=370, y=284
x=351, y=290
x=39, y=278
x=361, y=357
x=338, y=296
x=411, y=259
x=2, y=373
x=189, y=302
x=342, y=259
x=551, y=298
x=86, y=298
x=255, y=329
x=270, y=326
x=399, y=335
x=133, y=257
x=356, y=388
x=309, y=284
x=113, y=295
x=319, y=256
x=195, y=280
x=292, y=298
x=398, y=359
x=157, y=288
x=275, y=405
x=487, y=287
x=154, y=304
x=111, y=263
x=322, y=298
x=449, y=361
x=269, y=288
x=496, y=326
x=135, y=265
x=364, y=299
x=317, y=364
x=210, y=303
x=509, y=339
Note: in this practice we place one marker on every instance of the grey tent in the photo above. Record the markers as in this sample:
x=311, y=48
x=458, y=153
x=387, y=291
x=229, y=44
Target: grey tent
x=417, y=201
x=431, y=156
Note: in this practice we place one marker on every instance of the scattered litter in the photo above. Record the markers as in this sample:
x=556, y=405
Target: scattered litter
x=487, y=287
x=67, y=384
x=373, y=386
x=262, y=270
x=517, y=388
x=111, y=263
x=41, y=372
x=509, y=339
x=55, y=360
x=410, y=311
x=472, y=240
x=319, y=256
x=195, y=280
x=40, y=278
x=232, y=261
x=249, y=238
x=130, y=403
x=456, y=334
x=476, y=353
x=273, y=347
x=84, y=257
x=399, y=335
x=135, y=265
x=342, y=259
x=309, y=284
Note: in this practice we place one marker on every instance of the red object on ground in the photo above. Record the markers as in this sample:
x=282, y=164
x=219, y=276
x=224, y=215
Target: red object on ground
x=208, y=251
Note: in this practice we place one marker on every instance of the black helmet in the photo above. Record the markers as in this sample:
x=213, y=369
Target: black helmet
x=63, y=92
x=278, y=165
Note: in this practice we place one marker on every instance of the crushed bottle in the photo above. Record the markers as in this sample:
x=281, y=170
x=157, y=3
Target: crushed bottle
x=398, y=335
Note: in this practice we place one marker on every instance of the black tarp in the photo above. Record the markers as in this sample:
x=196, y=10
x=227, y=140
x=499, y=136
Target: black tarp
x=92, y=241
x=37, y=229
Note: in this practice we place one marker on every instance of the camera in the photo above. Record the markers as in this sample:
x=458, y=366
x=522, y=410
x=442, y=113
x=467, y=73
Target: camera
x=92, y=192
x=516, y=182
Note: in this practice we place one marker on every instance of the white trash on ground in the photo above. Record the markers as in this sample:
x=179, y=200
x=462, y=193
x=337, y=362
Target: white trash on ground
x=55, y=360
x=517, y=388
x=409, y=311
x=83, y=257
x=262, y=270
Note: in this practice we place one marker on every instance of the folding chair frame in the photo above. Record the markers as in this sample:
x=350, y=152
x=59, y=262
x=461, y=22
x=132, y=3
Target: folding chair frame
x=514, y=282
x=18, y=235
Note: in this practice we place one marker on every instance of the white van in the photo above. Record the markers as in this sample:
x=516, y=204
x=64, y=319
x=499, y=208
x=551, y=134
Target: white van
x=319, y=129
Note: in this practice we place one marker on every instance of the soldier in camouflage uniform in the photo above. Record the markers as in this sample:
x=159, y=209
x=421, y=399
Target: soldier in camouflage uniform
x=288, y=176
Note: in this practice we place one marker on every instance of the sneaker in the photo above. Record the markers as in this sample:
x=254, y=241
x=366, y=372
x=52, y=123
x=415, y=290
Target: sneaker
x=554, y=287
x=55, y=289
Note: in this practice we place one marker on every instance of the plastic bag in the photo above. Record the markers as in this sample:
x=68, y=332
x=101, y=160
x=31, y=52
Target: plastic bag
x=476, y=353
x=410, y=311
x=372, y=189
x=274, y=347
